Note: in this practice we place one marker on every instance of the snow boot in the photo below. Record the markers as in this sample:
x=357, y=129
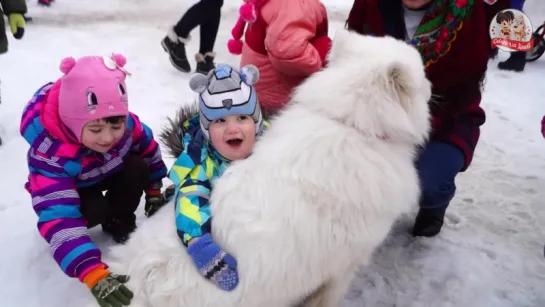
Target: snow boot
x=120, y=228
x=515, y=62
x=45, y=2
x=205, y=63
x=175, y=47
x=428, y=222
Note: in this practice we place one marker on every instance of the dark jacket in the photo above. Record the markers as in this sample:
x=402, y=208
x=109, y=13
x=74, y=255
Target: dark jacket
x=8, y=7
x=453, y=39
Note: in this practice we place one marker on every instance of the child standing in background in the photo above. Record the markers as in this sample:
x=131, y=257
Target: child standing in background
x=84, y=141
x=287, y=41
x=15, y=10
x=207, y=15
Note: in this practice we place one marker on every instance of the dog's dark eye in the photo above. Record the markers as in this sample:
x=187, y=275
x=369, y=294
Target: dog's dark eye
x=92, y=99
x=121, y=89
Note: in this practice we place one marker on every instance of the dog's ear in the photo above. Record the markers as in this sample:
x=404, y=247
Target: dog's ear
x=340, y=45
x=398, y=105
x=399, y=79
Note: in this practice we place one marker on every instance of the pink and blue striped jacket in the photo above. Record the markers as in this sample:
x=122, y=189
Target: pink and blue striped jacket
x=58, y=166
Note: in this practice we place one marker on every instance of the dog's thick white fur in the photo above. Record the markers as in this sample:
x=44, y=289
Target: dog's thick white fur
x=319, y=194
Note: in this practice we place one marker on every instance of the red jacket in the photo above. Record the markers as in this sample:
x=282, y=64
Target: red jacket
x=287, y=42
x=453, y=39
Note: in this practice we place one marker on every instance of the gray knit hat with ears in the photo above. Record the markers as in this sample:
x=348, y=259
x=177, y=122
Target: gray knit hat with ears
x=227, y=91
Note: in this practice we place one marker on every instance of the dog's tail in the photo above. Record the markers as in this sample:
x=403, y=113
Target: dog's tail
x=173, y=133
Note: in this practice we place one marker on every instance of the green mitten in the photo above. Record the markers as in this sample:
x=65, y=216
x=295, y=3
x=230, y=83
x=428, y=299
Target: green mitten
x=17, y=25
x=155, y=200
x=110, y=291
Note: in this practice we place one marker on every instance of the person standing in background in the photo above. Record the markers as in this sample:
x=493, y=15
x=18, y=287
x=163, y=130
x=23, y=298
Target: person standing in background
x=207, y=15
x=453, y=39
x=517, y=60
x=15, y=10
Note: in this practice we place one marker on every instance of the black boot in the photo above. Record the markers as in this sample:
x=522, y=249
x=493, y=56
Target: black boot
x=205, y=63
x=515, y=62
x=175, y=46
x=120, y=228
x=429, y=222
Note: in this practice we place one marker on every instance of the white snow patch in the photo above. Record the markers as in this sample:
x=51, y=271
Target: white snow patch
x=489, y=254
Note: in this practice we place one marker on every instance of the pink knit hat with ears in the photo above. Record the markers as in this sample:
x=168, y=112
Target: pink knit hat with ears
x=248, y=14
x=92, y=88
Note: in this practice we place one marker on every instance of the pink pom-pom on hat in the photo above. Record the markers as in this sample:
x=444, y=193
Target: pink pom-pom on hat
x=92, y=88
x=247, y=14
x=119, y=59
x=67, y=64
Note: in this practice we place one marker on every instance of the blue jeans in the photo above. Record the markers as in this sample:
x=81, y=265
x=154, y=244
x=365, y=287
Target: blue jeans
x=517, y=4
x=438, y=165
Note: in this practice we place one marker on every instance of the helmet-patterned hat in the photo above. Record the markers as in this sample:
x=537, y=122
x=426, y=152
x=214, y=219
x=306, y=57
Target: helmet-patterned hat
x=227, y=91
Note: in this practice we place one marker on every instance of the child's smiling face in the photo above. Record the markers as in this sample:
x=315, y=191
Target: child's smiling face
x=233, y=136
x=101, y=135
x=505, y=24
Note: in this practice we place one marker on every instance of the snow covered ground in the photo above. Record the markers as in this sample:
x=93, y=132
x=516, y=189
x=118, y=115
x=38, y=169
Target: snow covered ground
x=489, y=254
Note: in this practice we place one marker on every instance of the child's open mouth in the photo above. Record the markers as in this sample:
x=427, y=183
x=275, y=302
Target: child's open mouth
x=236, y=142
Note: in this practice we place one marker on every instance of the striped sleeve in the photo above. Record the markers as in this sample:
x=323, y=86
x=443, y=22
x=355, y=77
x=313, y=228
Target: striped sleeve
x=148, y=149
x=56, y=202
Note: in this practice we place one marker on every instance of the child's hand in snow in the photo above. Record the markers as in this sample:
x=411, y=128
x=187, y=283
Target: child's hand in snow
x=111, y=291
x=155, y=200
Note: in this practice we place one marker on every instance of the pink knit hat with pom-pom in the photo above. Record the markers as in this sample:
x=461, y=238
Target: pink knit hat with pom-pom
x=248, y=14
x=92, y=88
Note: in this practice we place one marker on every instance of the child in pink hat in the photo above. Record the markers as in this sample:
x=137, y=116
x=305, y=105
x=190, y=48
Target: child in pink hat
x=84, y=141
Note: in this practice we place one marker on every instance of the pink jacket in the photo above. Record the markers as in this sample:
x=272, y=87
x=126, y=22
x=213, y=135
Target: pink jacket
x=543, y=126
x=287, y=40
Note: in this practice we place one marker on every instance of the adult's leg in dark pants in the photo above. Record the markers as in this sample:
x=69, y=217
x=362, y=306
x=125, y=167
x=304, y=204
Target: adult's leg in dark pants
x=210, y=25
x=205, y=13
x=124, y=191
x=438, y=165
x=200, y=13
x=209, y=32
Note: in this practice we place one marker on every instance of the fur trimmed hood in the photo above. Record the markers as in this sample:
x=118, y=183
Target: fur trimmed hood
x=172, y=134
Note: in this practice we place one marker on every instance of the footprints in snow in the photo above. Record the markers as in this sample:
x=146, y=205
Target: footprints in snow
x=523, y=184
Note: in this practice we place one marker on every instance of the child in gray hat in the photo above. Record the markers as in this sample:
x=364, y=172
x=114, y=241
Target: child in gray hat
x=206, y=140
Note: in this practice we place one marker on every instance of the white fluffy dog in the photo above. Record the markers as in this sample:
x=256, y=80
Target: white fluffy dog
x=320, y=192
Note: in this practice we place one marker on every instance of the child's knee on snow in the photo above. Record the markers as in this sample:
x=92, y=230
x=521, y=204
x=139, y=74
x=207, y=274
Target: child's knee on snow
x=137, y=169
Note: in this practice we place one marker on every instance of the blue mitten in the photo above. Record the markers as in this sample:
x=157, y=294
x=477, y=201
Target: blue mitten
x=214, y=263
